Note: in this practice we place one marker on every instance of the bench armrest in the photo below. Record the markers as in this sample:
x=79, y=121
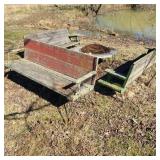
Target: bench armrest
x=74, y=38
x=85, y=77
x=78, y=80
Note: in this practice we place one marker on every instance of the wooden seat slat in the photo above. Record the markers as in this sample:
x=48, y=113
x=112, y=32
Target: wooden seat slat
x=43, y=76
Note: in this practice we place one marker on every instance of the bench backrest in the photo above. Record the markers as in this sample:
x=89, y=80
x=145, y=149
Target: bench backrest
x=57, y=37
x=140, y=65
x=59, y=59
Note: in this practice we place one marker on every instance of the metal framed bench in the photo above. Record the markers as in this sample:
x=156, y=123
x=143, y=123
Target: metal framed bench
x=120, y=78
x=62, y=70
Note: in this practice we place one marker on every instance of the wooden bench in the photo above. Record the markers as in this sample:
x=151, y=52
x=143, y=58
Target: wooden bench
x=120, y=78
x=60, y=38
x=46, y=62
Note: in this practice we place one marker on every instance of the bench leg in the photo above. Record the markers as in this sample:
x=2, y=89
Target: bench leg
x=84, y=89
x=93, y=80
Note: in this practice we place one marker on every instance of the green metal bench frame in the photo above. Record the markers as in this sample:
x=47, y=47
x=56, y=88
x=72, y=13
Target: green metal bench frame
x=137, y=67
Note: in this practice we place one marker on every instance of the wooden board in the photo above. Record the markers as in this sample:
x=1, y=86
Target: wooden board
x=55, y=64
x=44, y=76
x=111, y=85
x=50, y=36
x=82, y=60
x=58, y=38
x=140, y=66
x=113, y=73
x=59, y=59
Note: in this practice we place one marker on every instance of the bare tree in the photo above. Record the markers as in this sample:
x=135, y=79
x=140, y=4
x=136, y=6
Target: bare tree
x=92, y=9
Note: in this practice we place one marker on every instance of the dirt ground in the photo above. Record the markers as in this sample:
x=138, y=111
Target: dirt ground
x=100, y=123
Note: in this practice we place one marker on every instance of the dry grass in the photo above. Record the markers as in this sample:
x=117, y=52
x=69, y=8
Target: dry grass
x=96, y=124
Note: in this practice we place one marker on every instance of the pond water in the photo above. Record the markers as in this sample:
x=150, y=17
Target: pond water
x=140, y=23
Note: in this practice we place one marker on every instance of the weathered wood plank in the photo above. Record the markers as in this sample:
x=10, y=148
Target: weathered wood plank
x=111, y=85
x=82, y=60
x=42, y=35
x=144, y=61
x=43, y=76
x=140, y=66
x=68, y=44
x=58, y=37
x=62, y=37
x=85, y=77
x=112, y=72
x=56, y=64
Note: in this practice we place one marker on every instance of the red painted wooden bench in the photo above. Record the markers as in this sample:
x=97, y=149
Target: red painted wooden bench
x=49, y=61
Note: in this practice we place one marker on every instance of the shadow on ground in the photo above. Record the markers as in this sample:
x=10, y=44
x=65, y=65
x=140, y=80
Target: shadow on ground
x=43, y=92
x=52, y=97
x=104, y=90
x=21, y=54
